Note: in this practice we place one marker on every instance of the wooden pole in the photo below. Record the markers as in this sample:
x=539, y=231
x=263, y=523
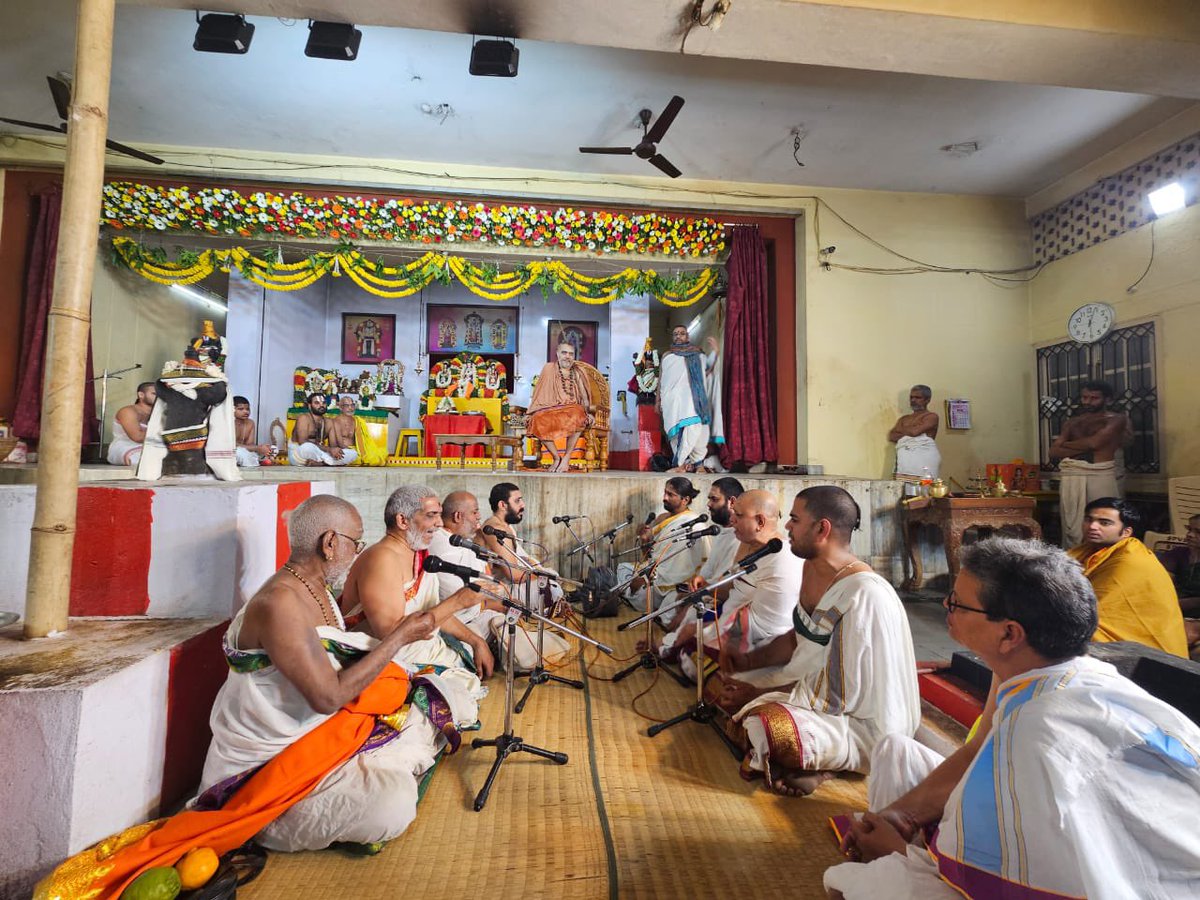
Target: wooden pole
x=52, y=539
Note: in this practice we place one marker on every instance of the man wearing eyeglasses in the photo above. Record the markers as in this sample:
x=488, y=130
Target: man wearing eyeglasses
x=1077, y=783
x=1134, y=593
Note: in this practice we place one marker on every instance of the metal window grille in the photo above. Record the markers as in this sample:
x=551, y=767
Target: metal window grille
x=1125, y=359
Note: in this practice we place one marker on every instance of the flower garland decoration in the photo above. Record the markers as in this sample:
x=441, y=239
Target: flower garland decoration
x=392, y=282
x=467, y=375
x=224, y=211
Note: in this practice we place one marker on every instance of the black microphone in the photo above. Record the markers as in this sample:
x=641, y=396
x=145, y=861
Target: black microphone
x=692, y=523
x=774, y=545
x=437, y=564
x=457, y=540
x=497, y=533
x=650, y=518
x=557, y=519
x=704, y=532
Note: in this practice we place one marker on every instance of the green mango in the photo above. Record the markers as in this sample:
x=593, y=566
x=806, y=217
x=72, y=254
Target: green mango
x=159, y=883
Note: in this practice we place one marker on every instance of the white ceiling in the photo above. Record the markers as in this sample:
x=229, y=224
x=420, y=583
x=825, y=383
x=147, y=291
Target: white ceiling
x=864, y=129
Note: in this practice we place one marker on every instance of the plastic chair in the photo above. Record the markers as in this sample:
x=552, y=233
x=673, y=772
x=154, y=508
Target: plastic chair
x=406, y=435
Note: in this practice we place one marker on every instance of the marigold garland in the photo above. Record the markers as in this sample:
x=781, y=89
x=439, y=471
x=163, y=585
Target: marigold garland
x=486, y=281
x=223, y=211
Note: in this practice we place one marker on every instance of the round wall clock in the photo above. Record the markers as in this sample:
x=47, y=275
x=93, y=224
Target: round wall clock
x=1091, y=322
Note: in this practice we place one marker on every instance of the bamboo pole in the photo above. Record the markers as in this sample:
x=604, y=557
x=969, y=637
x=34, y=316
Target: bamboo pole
x=52, y=538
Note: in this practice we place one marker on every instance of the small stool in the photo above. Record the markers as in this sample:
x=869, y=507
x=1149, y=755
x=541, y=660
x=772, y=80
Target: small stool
x=403, y=438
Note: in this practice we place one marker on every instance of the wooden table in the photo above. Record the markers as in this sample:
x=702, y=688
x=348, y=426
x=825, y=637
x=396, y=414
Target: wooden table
x=452, y=424
x=495, y=441
x=953, y=516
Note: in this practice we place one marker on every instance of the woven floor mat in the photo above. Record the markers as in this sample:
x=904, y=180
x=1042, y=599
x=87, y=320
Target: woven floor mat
x=672, y=818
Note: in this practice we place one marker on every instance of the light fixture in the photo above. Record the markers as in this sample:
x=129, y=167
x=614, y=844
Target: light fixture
x=1168, y=198
x=332, y=40
x=221, y=33
x=495, y=58
x=200, y=296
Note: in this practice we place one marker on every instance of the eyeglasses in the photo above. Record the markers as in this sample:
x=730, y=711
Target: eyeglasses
x=951, y=603
x=359, y=544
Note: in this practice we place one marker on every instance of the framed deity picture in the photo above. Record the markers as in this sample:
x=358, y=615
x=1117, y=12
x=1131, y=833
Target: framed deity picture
x=368, y=337
x=958, y=414
x=581, y=335
x=486, y=330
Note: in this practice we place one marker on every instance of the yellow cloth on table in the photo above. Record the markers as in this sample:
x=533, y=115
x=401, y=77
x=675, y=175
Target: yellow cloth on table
x=372, y=450
x=1135, y=594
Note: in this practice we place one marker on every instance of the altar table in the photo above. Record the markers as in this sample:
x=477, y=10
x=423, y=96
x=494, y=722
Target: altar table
x=448, y=423
x=953, y=516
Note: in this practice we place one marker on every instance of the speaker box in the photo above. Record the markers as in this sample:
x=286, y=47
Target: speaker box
x=219, y=33
x=497, y=58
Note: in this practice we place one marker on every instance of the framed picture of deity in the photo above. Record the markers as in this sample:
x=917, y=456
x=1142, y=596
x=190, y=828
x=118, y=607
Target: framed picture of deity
x=486, y=330
x=368, y=337
x=583, y=336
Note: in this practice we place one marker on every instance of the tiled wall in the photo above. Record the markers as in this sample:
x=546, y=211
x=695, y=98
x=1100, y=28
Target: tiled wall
x=1115, y=204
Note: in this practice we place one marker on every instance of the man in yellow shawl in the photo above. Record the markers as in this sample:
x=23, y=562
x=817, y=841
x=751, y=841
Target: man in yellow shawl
x=1135, y=593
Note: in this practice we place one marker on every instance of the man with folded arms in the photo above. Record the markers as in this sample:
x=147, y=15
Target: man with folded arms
x=1077, y=783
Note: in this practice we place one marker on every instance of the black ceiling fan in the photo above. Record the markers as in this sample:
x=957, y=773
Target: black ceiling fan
x=60, y=89
x=648, y=149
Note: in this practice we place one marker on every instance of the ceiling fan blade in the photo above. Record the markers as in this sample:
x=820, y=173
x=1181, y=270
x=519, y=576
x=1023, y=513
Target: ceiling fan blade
x=623, y=151
x=130, y=151
x=665, y=118
x=61, y=90
x=663, y=164
x=57, y=129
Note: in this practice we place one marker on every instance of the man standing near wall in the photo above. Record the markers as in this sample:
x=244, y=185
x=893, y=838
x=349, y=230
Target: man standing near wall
x=1091, y=461
x=914, y=433
x=684, y=400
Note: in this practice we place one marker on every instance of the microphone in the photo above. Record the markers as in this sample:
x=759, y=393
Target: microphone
x=690, y=524
x=497, y=533
x=564, y=519
x=437, y=564
x=774, y=545
x=706, y=532
x=650, y=518
x=457, y=540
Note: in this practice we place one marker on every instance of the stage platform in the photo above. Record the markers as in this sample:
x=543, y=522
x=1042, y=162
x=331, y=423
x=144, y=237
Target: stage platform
x=606, y=498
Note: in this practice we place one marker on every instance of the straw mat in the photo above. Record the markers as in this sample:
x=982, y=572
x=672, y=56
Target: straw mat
x=628, y=816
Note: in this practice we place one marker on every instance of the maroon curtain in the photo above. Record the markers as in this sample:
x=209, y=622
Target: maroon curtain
x=749, y=386
x=39, y=289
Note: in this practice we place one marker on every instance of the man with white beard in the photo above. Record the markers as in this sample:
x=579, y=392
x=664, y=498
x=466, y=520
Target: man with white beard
x=387, y=584
x=302, y=697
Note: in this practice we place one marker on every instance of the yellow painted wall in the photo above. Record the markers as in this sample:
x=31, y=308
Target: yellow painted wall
x=1170, y=295
x=870, y=337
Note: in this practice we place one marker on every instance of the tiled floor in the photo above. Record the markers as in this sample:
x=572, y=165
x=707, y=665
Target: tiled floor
x=927, y=620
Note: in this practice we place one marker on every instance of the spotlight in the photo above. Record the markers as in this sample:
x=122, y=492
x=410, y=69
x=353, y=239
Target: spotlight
x=332, y=40
x=498, y=58
x=219, y=33
x=1168, y=199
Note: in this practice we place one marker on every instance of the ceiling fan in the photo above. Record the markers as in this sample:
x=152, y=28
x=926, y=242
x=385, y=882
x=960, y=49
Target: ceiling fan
x=648, y=149
x=60, y=89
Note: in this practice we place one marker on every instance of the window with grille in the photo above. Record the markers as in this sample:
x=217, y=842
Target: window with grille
x=1125, y=359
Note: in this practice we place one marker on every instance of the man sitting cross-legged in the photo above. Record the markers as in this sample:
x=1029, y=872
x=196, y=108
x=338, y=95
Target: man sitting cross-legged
x=849, y=661
x=758, y=606
x=388, y=583
x=1135, y=596
x=313, y=440
x=318, y=737
x=1077, y=784
x=664, y=543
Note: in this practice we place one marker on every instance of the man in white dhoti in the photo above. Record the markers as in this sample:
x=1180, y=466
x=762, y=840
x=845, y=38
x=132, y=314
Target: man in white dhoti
x=1091, y=458
x=850, y=676
x=388, y=583
x=297, y=672
x=665, y=542
x=1077, y=784
x=312, y=441
x=686, y=389
x=758, y=606
x=913, y=434
x=129, y=427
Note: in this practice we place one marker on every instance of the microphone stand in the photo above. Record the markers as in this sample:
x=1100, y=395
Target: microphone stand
x=580, y=546
x=508, y=743
x=649, y=659
x=704, y=713
x=103, y=378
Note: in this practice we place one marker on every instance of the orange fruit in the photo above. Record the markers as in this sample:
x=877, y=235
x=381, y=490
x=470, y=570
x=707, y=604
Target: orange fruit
x=197, y=867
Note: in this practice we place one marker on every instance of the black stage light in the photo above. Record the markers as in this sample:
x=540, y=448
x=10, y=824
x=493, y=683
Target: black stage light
x=219, y=33
x=498, y=58
x=332, y=40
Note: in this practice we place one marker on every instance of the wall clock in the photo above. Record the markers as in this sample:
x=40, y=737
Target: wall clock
x=1091, y=322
